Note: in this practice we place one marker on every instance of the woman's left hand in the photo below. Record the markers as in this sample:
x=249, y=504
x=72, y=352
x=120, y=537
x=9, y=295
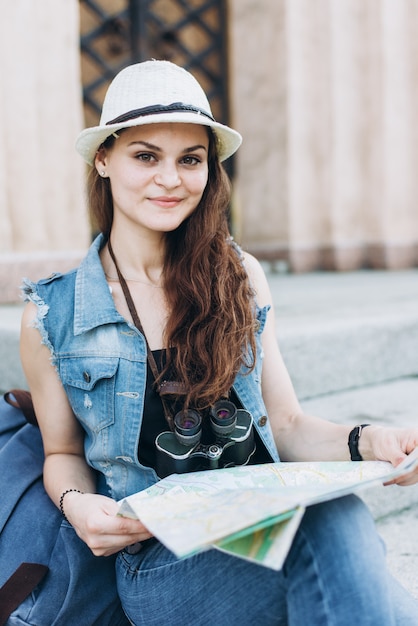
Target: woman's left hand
x=393, y=445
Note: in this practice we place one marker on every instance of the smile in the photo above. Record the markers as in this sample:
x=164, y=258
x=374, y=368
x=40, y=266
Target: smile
x=166, y=201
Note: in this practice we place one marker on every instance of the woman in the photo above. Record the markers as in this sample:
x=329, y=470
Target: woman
x=164, y=315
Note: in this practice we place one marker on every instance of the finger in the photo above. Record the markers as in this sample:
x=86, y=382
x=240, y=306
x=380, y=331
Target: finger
x=410, y=478
x=110, y=544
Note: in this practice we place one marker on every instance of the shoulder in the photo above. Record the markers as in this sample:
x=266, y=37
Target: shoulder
x=49, y=303
x=55, y=285
x=257, y=279
x=62, y=284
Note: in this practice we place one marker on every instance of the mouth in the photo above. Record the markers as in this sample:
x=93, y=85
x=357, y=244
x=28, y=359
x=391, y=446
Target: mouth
x=166, y=201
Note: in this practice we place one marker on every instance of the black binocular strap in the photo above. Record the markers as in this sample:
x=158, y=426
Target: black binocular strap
x=18, y=587
x=135, y=318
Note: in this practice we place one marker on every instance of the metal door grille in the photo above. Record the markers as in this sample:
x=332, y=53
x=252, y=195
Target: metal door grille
x=191, y=33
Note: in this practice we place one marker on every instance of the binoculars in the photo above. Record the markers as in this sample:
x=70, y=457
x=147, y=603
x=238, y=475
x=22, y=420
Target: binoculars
x=182, y=451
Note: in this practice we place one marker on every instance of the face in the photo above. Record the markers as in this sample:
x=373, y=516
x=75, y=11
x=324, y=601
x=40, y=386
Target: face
x=157, y=173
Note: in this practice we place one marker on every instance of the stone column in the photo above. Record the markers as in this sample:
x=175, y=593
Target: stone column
x=399, y=190
x=350, y=128
x=325, y=93
x=44, y=226
x=258, y=103
x=307, y=115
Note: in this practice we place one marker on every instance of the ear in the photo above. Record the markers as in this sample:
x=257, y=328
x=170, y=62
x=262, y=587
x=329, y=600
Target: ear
x=100, y=160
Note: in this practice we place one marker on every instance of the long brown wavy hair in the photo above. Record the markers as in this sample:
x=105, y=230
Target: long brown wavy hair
x=210, y=328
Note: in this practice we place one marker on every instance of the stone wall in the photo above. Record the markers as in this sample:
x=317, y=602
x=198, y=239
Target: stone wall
x=43, y=222
x=325, y=95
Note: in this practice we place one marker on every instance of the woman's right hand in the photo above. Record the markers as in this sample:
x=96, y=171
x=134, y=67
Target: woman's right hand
x=95, y=520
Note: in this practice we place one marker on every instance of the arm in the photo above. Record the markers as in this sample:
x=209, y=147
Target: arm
x=302, y=437
x=93, y=516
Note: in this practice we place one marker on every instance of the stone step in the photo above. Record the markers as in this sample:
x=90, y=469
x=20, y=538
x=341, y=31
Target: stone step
x=333, y=357
x=394, y=403
x=394, y=508
x=399, y=532
x=11, y=373
x=343, y=331
x=336, y=331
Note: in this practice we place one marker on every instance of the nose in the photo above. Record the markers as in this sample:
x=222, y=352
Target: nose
x=167, y=175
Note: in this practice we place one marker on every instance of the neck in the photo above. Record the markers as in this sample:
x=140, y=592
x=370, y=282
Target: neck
x=139, y=259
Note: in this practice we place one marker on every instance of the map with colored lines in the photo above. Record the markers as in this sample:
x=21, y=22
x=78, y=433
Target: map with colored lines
x=250, y=511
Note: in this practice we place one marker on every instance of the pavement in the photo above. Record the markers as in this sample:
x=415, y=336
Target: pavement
x=350, y=343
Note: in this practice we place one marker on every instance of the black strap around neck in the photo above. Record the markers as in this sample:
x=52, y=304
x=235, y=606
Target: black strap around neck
x=138, y=325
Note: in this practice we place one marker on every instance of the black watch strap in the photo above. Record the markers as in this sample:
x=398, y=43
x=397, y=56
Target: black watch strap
x=353, y=440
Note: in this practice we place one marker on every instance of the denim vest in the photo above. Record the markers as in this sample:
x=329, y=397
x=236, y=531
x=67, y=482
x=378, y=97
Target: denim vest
x=101, y=360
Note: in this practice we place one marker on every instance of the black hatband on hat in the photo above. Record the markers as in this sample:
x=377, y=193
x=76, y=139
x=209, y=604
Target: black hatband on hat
x=159, y=108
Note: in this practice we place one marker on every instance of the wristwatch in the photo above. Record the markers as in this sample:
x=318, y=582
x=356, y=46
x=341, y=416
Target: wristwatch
x=353, y=441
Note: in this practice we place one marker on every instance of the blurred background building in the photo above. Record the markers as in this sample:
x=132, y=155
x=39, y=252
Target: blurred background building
x=324, y=92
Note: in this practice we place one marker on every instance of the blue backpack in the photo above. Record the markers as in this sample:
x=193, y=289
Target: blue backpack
x=48, y=576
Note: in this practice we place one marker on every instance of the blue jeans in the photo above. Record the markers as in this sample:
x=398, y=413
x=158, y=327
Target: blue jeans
x=335, y=574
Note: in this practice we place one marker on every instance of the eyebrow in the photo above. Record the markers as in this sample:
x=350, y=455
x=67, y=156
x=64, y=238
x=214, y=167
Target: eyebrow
x=151, y=146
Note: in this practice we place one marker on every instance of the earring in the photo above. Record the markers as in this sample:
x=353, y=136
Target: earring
x=102, y=173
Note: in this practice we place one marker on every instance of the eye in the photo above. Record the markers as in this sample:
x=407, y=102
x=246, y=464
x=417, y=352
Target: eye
x=190, y=160
x=145, y=157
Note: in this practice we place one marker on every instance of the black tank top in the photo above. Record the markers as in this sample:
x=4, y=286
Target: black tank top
x=154, y=422
x=153, y=419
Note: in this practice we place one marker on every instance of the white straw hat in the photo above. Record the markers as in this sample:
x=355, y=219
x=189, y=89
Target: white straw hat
x=150, y=93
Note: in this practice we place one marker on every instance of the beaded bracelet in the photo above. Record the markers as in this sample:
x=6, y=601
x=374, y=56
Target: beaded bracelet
x=62, y=501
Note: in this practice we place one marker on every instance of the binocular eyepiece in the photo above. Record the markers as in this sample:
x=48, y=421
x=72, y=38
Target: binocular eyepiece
x=188, y=423
x=188, y=427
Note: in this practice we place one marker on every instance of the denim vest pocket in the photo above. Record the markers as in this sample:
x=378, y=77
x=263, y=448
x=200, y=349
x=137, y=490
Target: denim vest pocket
x=83, y=375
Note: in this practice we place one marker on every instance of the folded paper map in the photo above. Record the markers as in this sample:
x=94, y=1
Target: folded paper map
x=251, y=511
